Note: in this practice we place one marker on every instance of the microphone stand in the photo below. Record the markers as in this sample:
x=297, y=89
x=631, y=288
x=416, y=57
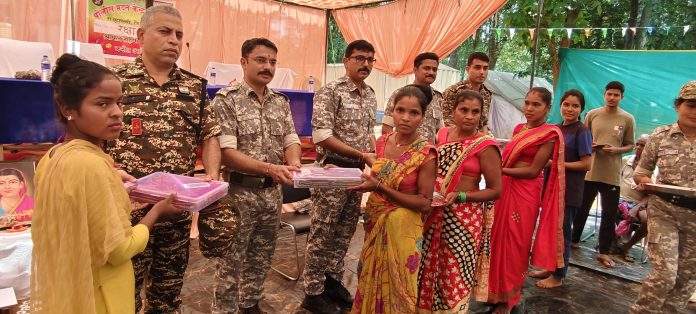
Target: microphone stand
x=188, y=47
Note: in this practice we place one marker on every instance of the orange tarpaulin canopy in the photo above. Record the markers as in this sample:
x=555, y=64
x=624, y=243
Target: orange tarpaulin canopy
x=215, y=29
x=332, y=4
x=402, y=29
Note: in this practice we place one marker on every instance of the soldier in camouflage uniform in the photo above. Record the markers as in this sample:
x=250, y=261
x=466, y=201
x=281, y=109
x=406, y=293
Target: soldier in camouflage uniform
x=425, y=72
x=260, y=149
x=476, y=74
x=166, y=116
x=671, y=218
x=343, y=121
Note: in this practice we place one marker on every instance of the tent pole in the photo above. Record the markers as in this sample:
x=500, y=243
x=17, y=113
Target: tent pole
x=327, y=43
x=536, y=43
x=72, y=20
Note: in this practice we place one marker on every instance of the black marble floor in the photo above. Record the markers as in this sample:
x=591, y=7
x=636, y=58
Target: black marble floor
x=585, y=291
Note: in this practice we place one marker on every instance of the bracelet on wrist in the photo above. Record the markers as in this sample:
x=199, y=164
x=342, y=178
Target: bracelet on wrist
x=461, y=197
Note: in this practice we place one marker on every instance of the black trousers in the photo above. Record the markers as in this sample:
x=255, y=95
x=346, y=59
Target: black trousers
x=609, y=198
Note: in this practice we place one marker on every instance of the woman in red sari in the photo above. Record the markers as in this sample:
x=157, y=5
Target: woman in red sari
x=532, y=146
x=457, y=233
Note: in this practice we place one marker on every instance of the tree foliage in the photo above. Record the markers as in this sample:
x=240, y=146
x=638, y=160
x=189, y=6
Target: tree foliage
x=513, y=54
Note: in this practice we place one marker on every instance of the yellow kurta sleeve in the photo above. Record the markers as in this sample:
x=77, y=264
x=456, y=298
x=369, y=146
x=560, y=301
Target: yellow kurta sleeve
x=132, y=245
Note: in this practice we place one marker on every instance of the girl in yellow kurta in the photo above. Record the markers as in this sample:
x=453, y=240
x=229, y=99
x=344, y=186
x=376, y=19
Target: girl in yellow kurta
x=83, y=238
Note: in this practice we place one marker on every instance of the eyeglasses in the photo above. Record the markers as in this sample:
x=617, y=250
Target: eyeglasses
x=362, y=59
x=262, y=60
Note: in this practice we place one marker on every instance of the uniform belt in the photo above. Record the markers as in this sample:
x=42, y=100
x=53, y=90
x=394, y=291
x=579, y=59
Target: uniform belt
x=251, y=181
x=343, y=162
x=681, y=201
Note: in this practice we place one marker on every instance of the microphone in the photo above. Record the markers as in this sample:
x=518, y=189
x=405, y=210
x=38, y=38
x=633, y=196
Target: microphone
x=188, y=46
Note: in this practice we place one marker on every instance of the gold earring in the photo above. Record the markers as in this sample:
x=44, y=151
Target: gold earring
x=69, y=118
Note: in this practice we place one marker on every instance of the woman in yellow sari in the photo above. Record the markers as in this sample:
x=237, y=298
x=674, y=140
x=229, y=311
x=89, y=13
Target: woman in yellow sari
x=401, y=183
x=83, y=239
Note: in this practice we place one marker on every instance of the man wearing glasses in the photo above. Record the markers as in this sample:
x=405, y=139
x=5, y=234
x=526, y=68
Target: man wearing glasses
x=343, y=121
x=260, y=149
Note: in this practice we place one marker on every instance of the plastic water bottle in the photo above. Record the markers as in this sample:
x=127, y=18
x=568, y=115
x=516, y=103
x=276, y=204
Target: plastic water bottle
x=310, y=84
x=45, y=68
x=213, y=76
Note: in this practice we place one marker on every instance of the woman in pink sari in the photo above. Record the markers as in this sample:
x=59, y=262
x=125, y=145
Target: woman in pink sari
x=456, y=234
x=16, y=204
x=532, y=146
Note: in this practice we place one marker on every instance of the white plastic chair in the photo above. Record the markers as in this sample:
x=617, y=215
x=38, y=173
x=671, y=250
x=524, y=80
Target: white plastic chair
x=18, y=55
x=87, y=51
x=225, y=73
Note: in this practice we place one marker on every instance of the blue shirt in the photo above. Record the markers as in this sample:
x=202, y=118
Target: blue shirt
x=578, y=143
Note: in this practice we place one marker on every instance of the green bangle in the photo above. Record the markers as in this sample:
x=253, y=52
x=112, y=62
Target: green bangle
x=461, y=197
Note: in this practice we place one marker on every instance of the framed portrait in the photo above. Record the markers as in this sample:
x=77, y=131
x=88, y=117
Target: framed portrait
x=16, y=195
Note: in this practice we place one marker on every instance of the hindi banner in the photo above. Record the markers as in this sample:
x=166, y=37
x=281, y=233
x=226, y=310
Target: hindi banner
x=114, y=24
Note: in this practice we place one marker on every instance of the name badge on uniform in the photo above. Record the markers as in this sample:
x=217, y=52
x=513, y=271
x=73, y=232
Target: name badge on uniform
x=136, y=126
x=184, y=94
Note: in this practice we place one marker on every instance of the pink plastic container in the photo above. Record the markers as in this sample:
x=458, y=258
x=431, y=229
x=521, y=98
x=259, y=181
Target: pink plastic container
x=192, y=193
x=316, y=177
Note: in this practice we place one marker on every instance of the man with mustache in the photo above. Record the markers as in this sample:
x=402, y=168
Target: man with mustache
x=425, y=73
x=612, y=135
x=260, y=150
x=166, y=116
x=343, y=124
x=476, y=74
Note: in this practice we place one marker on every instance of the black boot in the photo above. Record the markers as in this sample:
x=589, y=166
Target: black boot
x=319, y=304
x=251, y=310
x=338, y=293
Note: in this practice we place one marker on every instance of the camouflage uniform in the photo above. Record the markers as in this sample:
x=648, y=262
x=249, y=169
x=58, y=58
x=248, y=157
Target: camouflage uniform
x=162, y=127
x=340, y=110
x=260, y=129
x=671, y=228
x=449, y=97
x=432, y=119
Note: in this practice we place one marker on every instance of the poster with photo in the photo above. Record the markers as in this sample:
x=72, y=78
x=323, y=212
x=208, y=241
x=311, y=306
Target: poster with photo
x=16, y=195
x=114, y=24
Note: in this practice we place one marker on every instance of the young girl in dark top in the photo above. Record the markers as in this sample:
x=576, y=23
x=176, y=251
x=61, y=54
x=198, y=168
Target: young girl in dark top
x=578, y=154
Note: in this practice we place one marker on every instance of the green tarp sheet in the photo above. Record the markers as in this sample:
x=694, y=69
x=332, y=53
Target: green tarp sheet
x=652, y=79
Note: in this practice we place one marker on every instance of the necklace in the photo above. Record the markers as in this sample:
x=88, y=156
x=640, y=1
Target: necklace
x=396, y=141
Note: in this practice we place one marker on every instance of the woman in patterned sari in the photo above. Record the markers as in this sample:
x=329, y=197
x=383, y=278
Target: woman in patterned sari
x=456, y=234
x=401, y=183
x=532, y=146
